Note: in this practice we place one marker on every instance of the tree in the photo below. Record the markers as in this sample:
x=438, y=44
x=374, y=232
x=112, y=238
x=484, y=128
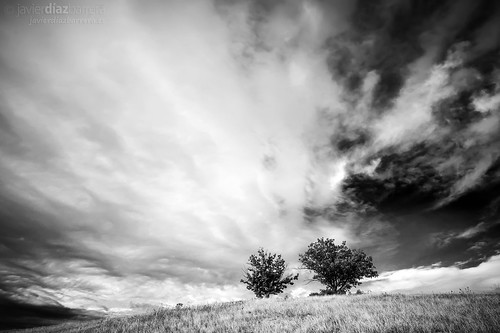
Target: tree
x=266, y=274
x=336, y=266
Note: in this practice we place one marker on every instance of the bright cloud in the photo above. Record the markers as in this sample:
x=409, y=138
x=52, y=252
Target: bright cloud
x=145, y=158
x=482, y=278
x=145, y=140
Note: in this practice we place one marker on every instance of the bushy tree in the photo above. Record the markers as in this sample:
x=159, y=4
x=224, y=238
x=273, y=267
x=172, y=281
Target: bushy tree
x=265, y=275
x=336, y=266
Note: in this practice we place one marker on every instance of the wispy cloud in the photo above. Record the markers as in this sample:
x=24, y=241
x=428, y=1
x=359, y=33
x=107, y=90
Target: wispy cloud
x=138, y=159
x=148, y=156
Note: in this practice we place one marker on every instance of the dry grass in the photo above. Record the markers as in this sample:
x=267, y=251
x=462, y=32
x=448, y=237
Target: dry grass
x=464, y=312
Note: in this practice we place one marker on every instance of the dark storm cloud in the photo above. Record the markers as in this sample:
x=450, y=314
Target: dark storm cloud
x=383, y=53
x=443, y=183
x=384, y=37
x=390, y=36
x=17, y=315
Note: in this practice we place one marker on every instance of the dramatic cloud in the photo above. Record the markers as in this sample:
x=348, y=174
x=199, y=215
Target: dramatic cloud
x=144, y=158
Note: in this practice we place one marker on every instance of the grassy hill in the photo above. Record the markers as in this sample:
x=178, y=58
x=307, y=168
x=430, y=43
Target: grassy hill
x=464, y=312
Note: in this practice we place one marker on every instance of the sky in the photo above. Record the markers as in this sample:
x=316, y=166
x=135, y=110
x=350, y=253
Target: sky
x=148, y=149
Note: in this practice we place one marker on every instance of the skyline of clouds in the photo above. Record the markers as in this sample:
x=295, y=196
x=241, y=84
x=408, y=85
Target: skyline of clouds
x=144, y=159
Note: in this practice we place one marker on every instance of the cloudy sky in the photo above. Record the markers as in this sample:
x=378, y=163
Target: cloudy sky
x=147, y=149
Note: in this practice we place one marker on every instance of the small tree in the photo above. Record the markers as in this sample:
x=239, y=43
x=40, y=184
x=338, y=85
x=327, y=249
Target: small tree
x=336, y=266
x=266, y=274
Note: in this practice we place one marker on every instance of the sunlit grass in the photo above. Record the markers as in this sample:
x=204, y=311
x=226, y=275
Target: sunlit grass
x=462, y=312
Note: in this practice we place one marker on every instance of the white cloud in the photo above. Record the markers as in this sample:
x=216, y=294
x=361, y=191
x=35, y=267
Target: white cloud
x=155, y=134
x=472, y=231
x=410, y=121
x=438, y=279
x=176, y=138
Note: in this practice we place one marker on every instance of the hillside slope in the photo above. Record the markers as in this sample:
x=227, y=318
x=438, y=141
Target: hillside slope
x=364, y=313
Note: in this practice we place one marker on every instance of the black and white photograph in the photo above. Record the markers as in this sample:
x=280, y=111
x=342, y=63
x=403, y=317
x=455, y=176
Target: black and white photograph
x=250, y=166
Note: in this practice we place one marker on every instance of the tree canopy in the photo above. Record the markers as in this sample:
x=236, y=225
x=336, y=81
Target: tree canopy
x=265, y=275
x=336, y=266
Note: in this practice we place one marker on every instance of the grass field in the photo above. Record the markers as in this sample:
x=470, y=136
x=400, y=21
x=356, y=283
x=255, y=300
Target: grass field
x=464, y=312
